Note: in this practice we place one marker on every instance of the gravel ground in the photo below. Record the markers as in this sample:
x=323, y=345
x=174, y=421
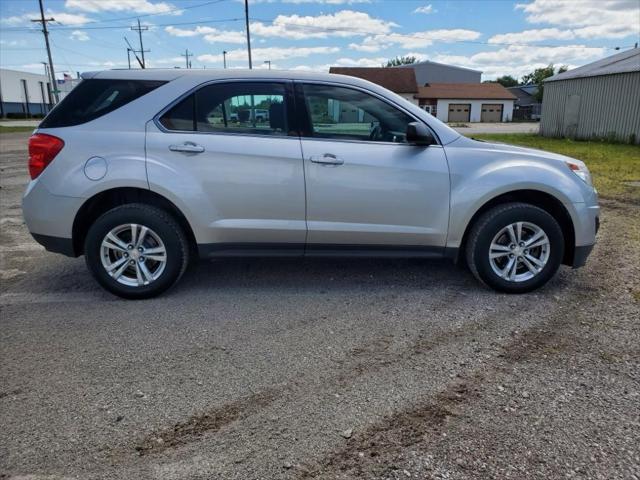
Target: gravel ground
x=294, y=369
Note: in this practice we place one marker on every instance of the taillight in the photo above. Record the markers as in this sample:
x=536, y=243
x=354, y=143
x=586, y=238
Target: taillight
x=42, y=150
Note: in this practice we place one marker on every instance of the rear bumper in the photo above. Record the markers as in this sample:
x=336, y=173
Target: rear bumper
x=56, y=244
x=49, y=217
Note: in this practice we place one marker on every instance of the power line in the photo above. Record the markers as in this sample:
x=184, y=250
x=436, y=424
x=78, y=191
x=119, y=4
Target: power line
x=112, y=27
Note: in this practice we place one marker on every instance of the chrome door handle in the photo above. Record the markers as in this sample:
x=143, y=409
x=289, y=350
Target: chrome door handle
x=326, y=159
x=187, y=147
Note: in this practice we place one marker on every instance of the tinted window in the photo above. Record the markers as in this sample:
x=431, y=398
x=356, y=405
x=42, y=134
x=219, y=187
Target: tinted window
x=181, y=117
x=94, y=98
x=348, y=114
x=243, y=107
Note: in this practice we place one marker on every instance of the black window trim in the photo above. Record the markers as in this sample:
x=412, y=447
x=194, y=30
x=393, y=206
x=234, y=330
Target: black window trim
x=289, y=99
x=304, y=119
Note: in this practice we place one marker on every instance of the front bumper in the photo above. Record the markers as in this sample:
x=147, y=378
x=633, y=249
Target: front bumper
x=580, y=255
x=590, y=226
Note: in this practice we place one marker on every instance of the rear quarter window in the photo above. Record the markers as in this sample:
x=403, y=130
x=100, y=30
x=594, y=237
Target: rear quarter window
x=94, y=98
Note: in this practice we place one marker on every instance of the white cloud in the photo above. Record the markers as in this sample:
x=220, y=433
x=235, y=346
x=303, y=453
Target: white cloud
x=535, y=35
x=135, y=6
x=13, y=43
x=210, y=34
x=270, y=53
x=345, y=23
x=178, y=61
x=588, y=18
x=325, y=2
x=360, y=62
x=365, y=47
x=520, y=60
x=426, y=9
x=295, y=27
x=79, y=36
x=60, y=18
x=414, y=40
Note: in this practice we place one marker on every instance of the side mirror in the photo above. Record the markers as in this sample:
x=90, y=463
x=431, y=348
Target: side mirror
x=419, y=134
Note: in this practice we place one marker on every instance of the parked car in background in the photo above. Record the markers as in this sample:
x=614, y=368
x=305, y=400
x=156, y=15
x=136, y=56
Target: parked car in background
x=140, y=171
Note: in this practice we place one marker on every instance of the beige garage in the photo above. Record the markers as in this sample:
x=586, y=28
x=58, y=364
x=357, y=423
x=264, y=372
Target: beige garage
x=459, y=112
x=491, y=112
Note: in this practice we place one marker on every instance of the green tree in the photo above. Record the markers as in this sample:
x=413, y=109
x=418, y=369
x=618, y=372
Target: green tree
x=539, y=75
x=394, y=62
x=507, y=81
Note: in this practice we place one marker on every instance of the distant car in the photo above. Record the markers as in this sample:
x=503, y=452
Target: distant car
x=140, y=171
x=245, y=116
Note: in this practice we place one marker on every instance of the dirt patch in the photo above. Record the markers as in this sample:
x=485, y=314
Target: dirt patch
x=368, y=453
x=205, y=423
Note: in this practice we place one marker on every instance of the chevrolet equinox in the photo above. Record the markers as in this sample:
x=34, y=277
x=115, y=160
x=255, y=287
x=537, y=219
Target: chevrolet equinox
x=142, y=171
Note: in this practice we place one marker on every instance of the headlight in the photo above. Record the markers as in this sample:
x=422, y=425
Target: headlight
x=581, y=170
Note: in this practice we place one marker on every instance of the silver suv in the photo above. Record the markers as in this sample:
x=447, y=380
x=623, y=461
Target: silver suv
x=142, y=171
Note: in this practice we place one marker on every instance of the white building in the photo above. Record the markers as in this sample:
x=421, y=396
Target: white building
x=24, y=93
x=467, y=102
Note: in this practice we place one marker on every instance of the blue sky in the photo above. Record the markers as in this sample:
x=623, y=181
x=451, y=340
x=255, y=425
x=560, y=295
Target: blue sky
x=495, y=36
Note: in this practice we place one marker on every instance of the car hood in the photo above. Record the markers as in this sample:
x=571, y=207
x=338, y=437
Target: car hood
x=530, y=153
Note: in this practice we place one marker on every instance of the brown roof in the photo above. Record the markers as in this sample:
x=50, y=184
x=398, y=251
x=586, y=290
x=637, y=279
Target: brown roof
x=399, y=80
x=465, y=91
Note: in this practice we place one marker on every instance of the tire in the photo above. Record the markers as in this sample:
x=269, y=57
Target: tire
x=490, y=236
x=146, y=277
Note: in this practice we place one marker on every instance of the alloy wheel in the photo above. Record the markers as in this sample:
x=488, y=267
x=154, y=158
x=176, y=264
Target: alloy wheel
x=519, y=251
x=133, y=255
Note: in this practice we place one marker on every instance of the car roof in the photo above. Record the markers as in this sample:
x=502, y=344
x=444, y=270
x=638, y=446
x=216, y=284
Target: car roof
x=168, y=74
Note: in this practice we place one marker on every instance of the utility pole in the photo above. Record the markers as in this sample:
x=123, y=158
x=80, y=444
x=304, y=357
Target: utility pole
x=129, y=57
x=140, y=29
x=269, y=62
x=186, y=56
x=246, y=18
x=135, y=53
x=44, y=21
x=224, y=58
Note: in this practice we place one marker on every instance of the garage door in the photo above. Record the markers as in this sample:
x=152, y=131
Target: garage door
x=491, y=112
x=459, y=112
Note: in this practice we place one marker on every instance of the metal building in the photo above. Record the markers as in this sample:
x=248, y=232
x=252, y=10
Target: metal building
x=598, y=100
x=24, y=93
x=434, y=72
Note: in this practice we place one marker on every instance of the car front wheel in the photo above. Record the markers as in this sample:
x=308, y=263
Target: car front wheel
x=136, y=251
x=515, y=247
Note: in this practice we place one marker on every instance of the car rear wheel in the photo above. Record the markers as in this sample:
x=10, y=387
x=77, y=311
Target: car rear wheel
x=136, y=251
x=515, y=247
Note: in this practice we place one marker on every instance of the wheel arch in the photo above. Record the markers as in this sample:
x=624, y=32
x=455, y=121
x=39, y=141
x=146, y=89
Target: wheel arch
x=538, y=198
x=105, y=200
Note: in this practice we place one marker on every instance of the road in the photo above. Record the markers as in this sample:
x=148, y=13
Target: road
x=291, y=369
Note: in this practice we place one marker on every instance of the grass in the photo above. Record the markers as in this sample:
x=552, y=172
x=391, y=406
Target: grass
x=611, y=164
x=15, y=129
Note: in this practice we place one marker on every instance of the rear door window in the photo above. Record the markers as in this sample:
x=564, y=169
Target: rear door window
x=254, y=108
x=94, y=98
